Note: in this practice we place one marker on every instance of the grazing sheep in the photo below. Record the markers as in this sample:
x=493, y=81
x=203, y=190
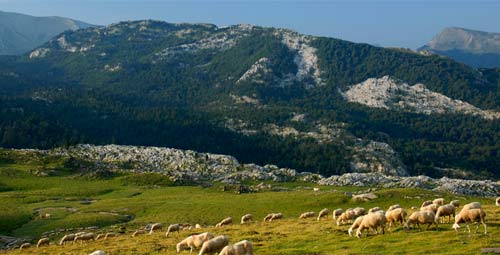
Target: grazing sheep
x=246, y=218
x=42, y=242
x=497, y=202
x=420, y=217
x=426, y=203
x=323, y=213
x=392, y=207
x=473, y=205
x=336, y=213
x=373, y=221
x=470, y=215
x=138, y=232
x=346, y=216
x=395, y=215
x=67, y=238
x=307, y=215
x=455, y=203
x=156, y=226
x=214, y=245
x=445, y=210
x=193, y=242
x=25, y=246
x=438, y=201
x=45, y=215
x=273, y=216
x=316, y=189
x=173, y=227
x=224, y=222
x=355, y=224
x=375, y=209
x=240, y=248
x=358, y=211
x=197, y=226
x=98, y=252
x=84, y=237
x=99, y=236
x=109, y=235
x=431, y=207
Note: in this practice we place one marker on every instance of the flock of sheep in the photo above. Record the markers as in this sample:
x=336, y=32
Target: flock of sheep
x=429, y=213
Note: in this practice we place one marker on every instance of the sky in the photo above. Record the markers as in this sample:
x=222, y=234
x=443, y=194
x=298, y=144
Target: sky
x=388, y=23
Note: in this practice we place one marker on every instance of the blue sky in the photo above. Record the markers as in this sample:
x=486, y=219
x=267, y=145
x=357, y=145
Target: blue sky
x=401, y=23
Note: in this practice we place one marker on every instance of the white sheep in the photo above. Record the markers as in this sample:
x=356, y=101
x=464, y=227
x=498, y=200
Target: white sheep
x=246, y=218
x=156, y=226
x=358, y=211
x=42, y=242
x=396, y=215
x=138, y=232
x=392, y=207
x=224, y=222
x=472, y=205
x=374, y=209
x=431, y=207
x=109, y=235
x=323, y=213
x=214, y=245
x=471, y=215
x=307, y=215
x=346, y=216
x=438, y=201
x=99, y=236
x=455, y=203
x=355, y=224
x=84, y=237
x=98, y=252
x=240, y=248
x=445, y=210
x=193, y=242
x=273, y=216
x=25, y=246
x=197, y=226
x=426, y=203
x=373, y=221
x=421, y=217
x=336, y=213
x=67, y=238
x=173, y=227
x=497, y=201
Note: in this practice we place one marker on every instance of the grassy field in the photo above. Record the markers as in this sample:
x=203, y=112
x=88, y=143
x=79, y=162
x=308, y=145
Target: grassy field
x=76, y=200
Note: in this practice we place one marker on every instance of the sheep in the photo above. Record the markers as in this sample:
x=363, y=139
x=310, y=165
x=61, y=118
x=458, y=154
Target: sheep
x=193, y=242
x=438, y=201
x=346, y=216
x=67, y=238
x=472, y=205
x=84, y=237
x=273, y=216
x=138, y=232
x=109, y=235
x=246, y=218
x=197, y=226
x=430, y=207
x=98, y=252
x=307, y=215
x=214, y=245
x=99, y=236
x=336, y=213
x=355, y=224
x=323, y=213
x=420, y=217
x=375, y=209
x=358, y=211
x=392, y=207
x=497, y=202
x=426, y=203
x=470, y=215
x=445, y=210
x=45, y=215
x=240, y=248
x=156, y=226
x=173, y=227
x=396, y=215
x=25, y=246
x=372, y=220
x=43, y=241
x=224, y=222
x=455, y=203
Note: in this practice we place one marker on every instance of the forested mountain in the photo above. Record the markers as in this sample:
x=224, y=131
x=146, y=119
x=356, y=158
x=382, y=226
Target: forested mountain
x=20, y=33
x=263, y=95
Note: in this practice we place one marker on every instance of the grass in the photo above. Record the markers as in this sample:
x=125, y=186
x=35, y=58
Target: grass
x=117, y=200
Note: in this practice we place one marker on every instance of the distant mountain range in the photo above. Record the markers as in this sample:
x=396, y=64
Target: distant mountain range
x=474, y=48
x=20, y=33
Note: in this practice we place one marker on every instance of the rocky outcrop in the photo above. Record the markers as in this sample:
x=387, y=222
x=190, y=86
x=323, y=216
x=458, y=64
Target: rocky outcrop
x=393, y=94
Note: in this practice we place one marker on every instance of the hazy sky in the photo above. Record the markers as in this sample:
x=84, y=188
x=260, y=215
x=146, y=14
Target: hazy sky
x=401, y=23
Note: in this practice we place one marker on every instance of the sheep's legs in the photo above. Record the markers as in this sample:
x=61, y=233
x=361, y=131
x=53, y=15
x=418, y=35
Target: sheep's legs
x=485, y=231
x=467, y=225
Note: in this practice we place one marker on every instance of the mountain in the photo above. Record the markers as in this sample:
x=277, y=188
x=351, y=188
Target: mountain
x=264, y=95
x=20, y=33
x=474, y=48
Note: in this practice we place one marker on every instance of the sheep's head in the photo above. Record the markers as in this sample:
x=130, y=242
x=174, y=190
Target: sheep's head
x=350, y=231
x=406, y=226
x=456, y=227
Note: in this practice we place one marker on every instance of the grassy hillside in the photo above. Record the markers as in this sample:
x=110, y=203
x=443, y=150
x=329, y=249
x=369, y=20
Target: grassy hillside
x=133, y=200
